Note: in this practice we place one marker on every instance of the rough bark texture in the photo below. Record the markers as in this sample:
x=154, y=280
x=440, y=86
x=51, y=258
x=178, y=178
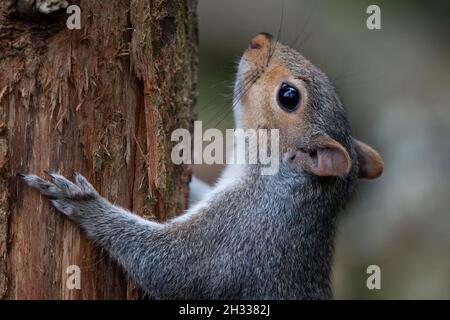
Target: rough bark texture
x=102, y=100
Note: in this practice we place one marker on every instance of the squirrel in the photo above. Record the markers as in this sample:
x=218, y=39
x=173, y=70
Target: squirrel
x=252, y=236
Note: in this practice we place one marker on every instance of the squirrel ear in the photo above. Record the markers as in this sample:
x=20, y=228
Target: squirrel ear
x=329, y=158
x=370, y=162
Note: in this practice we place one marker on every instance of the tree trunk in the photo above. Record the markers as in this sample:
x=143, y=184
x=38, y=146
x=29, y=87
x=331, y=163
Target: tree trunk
x=102, y=100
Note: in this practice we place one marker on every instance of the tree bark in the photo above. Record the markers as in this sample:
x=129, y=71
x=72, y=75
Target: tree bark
x=104, y=101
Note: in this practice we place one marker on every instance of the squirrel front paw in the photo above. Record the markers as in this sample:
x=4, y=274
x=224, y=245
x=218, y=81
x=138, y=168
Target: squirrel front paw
x=64, y=195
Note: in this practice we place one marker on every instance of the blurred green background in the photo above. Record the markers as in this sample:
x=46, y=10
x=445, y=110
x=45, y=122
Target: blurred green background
x=395, y=84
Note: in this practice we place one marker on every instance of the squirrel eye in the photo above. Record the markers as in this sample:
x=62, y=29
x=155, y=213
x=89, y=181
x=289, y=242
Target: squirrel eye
x=288, y=97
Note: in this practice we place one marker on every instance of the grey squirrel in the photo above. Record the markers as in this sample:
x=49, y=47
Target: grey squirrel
x=253, y=236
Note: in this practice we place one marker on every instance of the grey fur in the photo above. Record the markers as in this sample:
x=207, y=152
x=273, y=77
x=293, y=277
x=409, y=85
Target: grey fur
x=267, y=238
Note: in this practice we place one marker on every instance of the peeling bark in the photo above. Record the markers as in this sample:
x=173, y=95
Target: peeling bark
x=102, y=100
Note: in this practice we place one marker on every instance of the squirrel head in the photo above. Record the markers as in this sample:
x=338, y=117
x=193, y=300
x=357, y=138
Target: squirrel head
x=278, y=88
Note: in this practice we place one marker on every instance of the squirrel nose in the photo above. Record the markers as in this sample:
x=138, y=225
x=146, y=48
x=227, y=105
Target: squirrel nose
x=260, y=40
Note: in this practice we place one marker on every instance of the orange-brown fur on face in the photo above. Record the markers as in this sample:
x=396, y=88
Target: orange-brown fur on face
x=259, y=105
x=265, y=65
x=260, y=108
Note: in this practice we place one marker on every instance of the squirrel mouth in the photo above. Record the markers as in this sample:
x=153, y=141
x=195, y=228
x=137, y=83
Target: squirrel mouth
x=311, y=152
